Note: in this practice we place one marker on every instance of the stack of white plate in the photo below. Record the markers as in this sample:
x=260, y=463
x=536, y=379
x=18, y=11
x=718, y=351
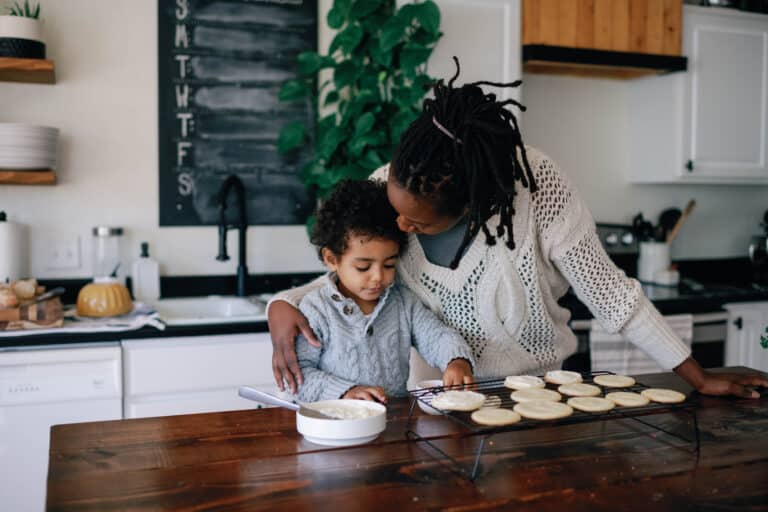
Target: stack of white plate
x=25, y=147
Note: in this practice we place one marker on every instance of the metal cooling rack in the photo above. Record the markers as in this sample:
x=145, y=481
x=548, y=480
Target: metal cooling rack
x=495, y=387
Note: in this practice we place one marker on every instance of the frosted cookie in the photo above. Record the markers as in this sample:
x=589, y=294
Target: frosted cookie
x=562, y=377
x=614, y=381
x=579, y=389
x=523, y=382
x=543, y=410
x=627, y=399
x=664, y=396
x=491, y=402
x=495, y=417
x=528, y=395
x=591, y=403
x=458, y=401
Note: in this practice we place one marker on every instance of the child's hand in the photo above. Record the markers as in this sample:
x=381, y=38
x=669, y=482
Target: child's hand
x=372, y=393
x=458, y=372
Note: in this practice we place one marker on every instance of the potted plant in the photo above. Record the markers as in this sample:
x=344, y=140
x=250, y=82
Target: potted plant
x=378, y=59
x=21, y=31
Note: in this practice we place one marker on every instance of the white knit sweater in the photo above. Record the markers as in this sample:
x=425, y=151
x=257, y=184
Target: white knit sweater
x=504, y=302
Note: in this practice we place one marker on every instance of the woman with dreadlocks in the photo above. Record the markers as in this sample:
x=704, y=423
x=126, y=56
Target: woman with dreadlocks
x=497, y=234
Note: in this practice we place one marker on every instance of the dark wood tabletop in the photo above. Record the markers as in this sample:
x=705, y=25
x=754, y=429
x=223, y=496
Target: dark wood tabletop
x=255, y=460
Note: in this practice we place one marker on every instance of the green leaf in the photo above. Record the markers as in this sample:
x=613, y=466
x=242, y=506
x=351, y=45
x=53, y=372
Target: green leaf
x=309, y=62
x=364, y=124
x=347, y=40
x=344, y=74
x=371, y=160
x=328, y=143
x=293, y=90
x=412, y=56
x=428, y=15
x=359, y=102
x=335, y=18
x=331, y=97
x=363, y=8
x=379, y=55
x=358, y=144
x=291, y=136
x=391, y=33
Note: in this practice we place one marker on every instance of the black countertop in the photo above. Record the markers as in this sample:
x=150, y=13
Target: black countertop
x=709, y=284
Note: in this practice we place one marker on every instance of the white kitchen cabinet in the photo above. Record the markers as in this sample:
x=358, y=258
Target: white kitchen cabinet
x=707, y=125
x=168, y=376
x=747, y=321
x=485, y=36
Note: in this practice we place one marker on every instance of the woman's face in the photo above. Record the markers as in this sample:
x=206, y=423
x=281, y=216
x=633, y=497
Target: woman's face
x=417, y=214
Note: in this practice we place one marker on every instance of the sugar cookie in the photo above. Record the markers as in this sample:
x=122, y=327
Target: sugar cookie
x=527, y=395
x=458, y=401
x=543, y=410
x=627, y=399
x=562, y=377
x=523, y=382
x=495, y=417
x=664, y=396
x=614, y=381
x=591, y=403
x=579, y=389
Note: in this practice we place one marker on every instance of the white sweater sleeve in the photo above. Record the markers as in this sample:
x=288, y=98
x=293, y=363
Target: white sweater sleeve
x=293, y=296
x=569, y=239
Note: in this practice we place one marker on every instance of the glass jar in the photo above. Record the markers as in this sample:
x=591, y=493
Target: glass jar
x=106, y=251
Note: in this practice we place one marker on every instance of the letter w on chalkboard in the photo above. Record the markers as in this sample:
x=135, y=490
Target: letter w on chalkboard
x=221, y=65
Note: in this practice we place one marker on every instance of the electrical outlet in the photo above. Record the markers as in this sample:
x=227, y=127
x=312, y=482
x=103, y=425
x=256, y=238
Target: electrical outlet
x=64, y=253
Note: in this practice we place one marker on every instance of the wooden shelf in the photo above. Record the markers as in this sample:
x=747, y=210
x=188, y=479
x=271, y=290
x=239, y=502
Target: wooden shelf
x=27, y=177
x=36, y=71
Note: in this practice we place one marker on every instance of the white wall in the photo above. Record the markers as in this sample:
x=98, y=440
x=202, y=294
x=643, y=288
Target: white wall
x=105, y=104
x=583, y=124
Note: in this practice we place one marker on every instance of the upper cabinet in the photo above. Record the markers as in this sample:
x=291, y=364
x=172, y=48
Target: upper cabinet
x=707, y=125
x=602, y=38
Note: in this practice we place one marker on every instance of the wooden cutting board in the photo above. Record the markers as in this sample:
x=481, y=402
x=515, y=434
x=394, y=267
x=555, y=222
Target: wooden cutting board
x=48, y=313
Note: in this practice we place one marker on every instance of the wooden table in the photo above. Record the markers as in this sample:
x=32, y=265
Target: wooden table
x=255, y=460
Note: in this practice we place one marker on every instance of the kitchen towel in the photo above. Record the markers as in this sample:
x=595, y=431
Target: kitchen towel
x=614, y=353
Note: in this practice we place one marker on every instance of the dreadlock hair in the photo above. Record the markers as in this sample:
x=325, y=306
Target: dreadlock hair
x=465, y=151
x=355, y=208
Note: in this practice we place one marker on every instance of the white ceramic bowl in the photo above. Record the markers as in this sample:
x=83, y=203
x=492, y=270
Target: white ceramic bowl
x=424, y=384
x=344, y=432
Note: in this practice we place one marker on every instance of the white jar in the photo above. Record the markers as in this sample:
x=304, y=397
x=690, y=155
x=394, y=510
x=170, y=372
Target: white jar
x=654, y=259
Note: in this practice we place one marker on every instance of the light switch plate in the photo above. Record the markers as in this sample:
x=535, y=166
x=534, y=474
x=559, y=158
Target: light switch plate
x=64, y=253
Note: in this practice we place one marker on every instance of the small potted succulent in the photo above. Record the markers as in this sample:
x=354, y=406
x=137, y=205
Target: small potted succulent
x=21, y=31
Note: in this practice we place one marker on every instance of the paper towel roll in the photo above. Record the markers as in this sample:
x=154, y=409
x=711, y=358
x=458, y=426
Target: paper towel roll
x=14, y=251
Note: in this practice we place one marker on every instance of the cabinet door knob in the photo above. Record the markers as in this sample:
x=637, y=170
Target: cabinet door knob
x=689, y=165
x=739, y=323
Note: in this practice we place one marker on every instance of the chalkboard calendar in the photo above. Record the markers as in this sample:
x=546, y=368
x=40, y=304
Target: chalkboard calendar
x=221, y=65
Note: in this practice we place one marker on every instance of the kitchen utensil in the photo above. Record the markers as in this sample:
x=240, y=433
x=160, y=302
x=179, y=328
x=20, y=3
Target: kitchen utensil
x=54, y=292
x=643, y=229
x=686, y=213
x=333, y=432
x=270, y=399
x=667, y=220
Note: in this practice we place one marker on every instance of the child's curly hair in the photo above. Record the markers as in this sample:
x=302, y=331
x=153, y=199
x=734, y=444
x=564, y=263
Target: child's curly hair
x=355, y=208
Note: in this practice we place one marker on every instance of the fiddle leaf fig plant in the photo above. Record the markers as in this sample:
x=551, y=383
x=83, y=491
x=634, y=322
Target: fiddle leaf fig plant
x=377, y=63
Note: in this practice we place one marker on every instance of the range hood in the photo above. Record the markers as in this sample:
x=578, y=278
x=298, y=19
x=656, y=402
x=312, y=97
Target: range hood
x=612, y=38
x=563, y=60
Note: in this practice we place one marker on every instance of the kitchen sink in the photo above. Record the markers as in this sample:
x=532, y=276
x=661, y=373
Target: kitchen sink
x=213, y=309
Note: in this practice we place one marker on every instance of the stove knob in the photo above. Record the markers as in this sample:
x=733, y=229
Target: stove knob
x=627, y=238
x=611, y=239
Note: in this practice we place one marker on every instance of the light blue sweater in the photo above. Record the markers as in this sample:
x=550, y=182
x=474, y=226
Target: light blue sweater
x=371, y=350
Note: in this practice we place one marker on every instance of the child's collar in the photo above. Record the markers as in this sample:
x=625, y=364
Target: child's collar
x=344, y=303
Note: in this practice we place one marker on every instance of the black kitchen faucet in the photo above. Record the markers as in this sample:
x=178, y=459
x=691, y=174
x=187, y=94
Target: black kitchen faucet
x=233, y=182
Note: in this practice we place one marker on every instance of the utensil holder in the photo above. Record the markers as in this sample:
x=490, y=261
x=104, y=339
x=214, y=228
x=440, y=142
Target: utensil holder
x=654, y=259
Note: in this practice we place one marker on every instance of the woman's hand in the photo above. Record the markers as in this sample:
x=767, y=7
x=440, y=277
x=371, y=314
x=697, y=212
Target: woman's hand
x=718, y=384
x=372, y=393
x=458, y=372
x=285, y=323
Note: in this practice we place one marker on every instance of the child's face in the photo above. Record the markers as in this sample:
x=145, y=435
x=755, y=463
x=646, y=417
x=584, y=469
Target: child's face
x=366, y=268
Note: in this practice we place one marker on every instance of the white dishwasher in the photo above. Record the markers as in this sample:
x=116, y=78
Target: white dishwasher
x=44, y=386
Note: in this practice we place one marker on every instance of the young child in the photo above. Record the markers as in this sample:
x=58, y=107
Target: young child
x=366, y=322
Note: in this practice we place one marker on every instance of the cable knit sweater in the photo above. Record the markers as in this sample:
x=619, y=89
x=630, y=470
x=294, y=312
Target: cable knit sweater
x=504, y=302
x=370, y=350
